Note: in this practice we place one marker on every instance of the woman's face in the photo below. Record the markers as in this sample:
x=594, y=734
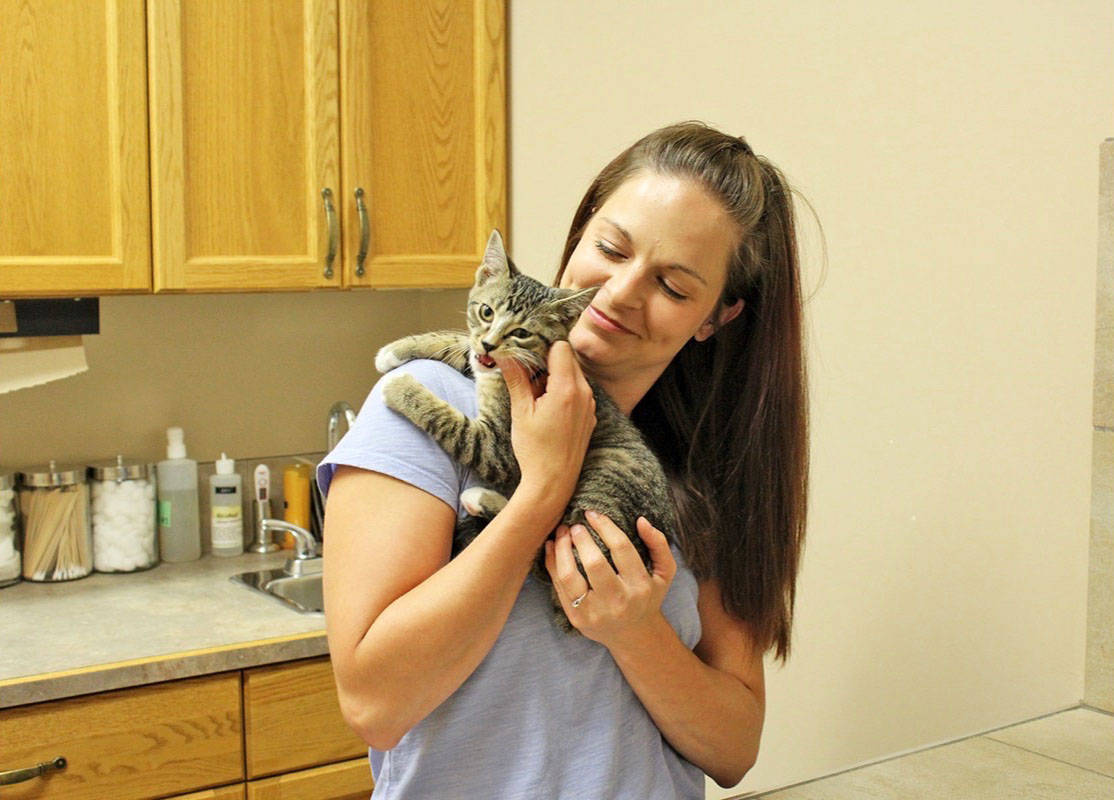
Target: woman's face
x=658, y=248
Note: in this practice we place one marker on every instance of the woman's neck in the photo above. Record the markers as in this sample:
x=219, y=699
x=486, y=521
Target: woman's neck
x=626, y=391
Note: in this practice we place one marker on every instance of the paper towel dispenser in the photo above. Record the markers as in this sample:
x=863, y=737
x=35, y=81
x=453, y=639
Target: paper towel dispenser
x=51, y=317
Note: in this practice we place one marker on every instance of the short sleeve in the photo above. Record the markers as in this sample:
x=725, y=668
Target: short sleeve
x=382, y=440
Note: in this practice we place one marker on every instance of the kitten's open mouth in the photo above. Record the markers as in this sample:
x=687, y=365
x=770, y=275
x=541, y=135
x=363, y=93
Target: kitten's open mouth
x=486, y=361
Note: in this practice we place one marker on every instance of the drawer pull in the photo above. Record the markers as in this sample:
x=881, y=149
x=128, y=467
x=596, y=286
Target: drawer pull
x=334, y=234
x=27, y=773
x=365, y=231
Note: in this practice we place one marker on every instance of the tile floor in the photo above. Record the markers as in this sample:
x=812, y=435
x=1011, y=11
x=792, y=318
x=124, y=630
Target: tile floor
x=1064, y=756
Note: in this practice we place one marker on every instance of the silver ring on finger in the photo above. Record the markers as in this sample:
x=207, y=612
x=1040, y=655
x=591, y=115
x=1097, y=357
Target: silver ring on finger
x=576, y=603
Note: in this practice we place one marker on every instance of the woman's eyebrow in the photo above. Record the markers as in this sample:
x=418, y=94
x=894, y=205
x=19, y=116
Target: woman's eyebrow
x=622, y=231
x=626, y=235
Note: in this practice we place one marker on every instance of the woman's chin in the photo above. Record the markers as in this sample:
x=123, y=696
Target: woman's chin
x=591, y=349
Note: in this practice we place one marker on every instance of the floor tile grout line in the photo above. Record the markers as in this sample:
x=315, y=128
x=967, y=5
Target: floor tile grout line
x=1096, y=709
x=1051, y=758
x=912, y=752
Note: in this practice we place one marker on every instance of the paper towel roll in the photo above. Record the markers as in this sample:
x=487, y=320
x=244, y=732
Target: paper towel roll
x=30, y=361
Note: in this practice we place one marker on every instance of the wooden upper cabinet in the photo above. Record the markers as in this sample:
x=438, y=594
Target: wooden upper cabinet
x=73, y=148
x=423, y=134
x=236, y=119
x=244, y=141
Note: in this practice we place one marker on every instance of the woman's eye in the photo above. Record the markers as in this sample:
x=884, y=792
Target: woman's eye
x=607, y=249
x=486, y=313
x=520, y=333
x=669, y=290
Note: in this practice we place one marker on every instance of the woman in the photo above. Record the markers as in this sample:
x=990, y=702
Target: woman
x=451, y=669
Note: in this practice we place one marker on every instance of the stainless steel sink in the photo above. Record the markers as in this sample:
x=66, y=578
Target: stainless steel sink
x=301, y=592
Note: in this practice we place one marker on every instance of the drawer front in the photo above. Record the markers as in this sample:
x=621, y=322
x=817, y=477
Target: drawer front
x=292, y=719
x=235, y=792
x=135, y=743
x=349, y=780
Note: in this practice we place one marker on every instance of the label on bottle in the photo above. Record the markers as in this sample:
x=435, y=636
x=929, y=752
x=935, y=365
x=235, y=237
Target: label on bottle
x=227, y=526
x=164, y=513
x=225, y=489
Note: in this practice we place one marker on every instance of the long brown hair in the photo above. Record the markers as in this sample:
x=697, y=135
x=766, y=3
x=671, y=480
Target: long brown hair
x=729, y=416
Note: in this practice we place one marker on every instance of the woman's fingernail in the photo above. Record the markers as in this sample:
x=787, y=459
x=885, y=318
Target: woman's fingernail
x=579, y=530
x=591, y=514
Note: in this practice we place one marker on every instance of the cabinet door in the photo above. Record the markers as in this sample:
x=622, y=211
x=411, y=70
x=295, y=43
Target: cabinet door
x=74, y=215
x=244, y=140
x=292, y=718
x=129, y=744
x=424, y=136
x=350, y=780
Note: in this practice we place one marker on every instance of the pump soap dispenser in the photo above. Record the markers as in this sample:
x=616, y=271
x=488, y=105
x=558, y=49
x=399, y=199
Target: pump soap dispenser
x=179, y=528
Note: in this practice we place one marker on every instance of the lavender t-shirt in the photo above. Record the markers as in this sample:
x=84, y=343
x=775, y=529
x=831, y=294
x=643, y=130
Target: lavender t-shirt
x=546, y=714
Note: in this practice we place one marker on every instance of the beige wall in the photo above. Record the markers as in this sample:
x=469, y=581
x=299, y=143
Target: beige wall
x=950, y=152
x=250, y=374
x=1099, y=678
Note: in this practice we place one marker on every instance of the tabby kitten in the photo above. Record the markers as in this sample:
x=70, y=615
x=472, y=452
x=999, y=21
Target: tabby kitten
x=514, y=315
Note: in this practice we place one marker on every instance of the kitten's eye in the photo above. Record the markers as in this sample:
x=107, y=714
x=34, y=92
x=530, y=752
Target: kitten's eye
x=486, y=313
x=520, y=333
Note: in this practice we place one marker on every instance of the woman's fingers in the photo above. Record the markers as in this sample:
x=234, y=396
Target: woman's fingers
x=518, y=385
x=561, y=565
x=664, y=565
x=601, y=575
x=564, y=370
x=628, y=563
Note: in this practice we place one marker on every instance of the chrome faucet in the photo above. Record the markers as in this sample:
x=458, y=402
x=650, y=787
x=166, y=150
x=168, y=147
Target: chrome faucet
x=332, y=434
x=305, y=560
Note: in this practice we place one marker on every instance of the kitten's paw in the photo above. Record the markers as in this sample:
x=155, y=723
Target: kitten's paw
x=481, y=502
x=387, y=359
x=401, y=391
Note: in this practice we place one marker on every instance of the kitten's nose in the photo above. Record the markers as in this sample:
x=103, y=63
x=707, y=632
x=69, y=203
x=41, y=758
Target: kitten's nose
x=488, y=347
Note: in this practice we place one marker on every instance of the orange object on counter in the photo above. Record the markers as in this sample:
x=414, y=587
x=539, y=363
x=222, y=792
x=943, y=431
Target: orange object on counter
x=295, y=498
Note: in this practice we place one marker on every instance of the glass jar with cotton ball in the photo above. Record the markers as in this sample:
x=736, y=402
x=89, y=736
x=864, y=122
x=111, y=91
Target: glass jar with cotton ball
x=125, y=529
x=9, y=538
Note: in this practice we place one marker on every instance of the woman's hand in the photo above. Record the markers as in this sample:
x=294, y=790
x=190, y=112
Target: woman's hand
x=550, y=429
x=614, y=604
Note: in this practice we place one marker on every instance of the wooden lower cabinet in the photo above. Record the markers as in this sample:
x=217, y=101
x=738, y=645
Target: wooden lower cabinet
x=292, y=719
x=348, y=780
x=268, y=733
x=130, y=744
x=236, y=792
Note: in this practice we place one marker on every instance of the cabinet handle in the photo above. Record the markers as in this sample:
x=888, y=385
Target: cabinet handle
x=10, y=776
x=334, y=233
x=365, y=231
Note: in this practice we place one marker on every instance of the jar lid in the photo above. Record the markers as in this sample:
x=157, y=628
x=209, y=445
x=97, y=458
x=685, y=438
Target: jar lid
x=7, y=480
x=52, y=475
x=120, y=469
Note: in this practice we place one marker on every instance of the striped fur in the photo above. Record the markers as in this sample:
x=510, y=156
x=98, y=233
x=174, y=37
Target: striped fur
x=512, y=314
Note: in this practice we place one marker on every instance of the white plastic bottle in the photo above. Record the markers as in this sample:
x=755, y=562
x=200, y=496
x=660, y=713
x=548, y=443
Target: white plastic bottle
x=226, y=504
x=179, y=528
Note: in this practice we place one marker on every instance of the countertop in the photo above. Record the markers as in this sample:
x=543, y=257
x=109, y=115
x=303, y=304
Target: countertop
x=110, y=631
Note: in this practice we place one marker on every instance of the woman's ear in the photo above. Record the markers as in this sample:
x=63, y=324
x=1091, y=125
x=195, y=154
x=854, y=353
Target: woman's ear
x=726, y=314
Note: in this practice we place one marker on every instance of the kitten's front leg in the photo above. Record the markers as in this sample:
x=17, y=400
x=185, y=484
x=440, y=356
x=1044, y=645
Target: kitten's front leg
x=466, y=440
x=451, y=347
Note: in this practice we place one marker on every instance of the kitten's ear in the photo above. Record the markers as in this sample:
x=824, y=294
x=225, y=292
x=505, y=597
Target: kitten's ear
x=495, y=264
x=571, y=305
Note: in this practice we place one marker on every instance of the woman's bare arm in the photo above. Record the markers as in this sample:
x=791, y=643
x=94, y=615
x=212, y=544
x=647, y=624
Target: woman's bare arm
x=406, y=625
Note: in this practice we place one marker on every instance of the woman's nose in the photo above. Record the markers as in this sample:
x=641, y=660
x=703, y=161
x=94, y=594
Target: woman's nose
x=624, y=287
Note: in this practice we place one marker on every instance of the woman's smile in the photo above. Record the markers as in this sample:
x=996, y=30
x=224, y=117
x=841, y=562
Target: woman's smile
x=602, y=320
